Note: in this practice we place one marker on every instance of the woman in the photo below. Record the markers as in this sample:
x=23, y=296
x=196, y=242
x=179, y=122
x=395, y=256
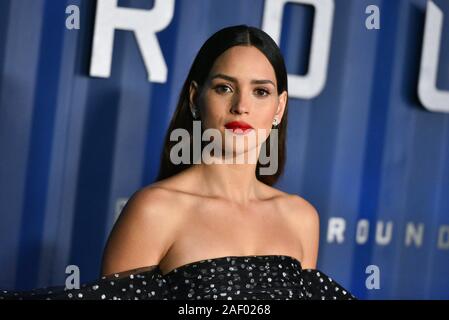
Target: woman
x=218, y=230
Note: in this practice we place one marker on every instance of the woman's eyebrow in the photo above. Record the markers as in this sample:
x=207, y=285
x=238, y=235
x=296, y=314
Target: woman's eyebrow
x=232, y=79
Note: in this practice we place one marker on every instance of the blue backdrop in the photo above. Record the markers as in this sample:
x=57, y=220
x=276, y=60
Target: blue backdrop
x=365, y=151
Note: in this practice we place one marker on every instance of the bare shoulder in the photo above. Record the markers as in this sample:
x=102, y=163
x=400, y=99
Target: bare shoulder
x=302, y=210
x=305, y=219
x=294, y=205
x=144, y=231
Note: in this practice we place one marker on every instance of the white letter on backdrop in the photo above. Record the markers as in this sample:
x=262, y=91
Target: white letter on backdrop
x=431, y=97
x=310, y=85
x=144, y=24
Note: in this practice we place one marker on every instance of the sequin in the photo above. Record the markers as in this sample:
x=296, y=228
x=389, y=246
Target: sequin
x=230, y=278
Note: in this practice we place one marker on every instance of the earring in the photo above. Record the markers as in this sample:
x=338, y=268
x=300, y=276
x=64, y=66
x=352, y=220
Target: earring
x=275, y=122
x=194, y=113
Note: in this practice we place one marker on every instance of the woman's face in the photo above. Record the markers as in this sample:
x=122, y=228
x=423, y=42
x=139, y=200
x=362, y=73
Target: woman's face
x=241, y=86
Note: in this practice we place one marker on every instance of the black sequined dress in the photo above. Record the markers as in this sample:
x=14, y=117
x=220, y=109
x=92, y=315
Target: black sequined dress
x=257, y=277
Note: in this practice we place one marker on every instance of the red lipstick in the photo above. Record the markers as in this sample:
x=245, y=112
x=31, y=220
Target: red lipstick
x=238, y=126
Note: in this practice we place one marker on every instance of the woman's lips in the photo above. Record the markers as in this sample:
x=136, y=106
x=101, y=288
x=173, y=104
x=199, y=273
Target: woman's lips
x=241, y=131
x=238, y=127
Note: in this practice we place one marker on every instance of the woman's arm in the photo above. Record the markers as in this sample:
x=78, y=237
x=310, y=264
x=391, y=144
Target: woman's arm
x=308, y=224
x=143, y=233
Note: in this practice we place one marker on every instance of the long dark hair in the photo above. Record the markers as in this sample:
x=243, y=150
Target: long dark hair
x=219, y=42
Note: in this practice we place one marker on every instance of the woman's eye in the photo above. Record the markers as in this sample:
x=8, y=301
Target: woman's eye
x=223, y=89
x=262, y=92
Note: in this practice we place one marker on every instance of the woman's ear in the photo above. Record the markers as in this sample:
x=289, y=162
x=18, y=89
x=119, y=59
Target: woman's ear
x=193, y=96
x=283, y=97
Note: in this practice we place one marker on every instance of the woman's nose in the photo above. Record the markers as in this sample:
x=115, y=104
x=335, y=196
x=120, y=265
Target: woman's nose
x=241, y=103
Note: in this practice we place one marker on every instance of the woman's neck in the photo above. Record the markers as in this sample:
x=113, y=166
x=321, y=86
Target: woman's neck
x=234, y=182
